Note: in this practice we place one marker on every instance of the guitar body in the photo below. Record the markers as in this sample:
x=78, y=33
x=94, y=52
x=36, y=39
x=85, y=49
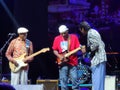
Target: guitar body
x=59, y=62
x=20, y=62
x=21, y=58
x=66, y=55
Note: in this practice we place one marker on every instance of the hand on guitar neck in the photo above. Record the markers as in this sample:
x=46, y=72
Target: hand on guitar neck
x=27, y=59
x=62, y=58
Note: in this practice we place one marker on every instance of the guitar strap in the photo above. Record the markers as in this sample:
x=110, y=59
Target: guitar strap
x=68, y=43
x=27, y=45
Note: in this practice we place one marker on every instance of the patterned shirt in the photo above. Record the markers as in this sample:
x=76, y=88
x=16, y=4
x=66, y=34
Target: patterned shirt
x=96, y=44
x=18, y=47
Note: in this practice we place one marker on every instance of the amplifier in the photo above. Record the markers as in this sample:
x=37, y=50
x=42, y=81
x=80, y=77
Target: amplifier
x=49, y=84
x=29, y=87
x=110, y=82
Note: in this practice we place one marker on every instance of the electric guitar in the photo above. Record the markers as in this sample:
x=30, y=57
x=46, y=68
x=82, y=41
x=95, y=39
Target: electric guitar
x=66, y=55
x=22, y=57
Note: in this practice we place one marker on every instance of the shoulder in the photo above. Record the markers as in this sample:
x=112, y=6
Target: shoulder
x=93, y=32
x=58, y=37
x=73, y=35
x=28, y=41
x=14, y=40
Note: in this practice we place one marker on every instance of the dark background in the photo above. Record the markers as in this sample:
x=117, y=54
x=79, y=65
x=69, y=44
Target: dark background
x=31, y=14
x=34, y=15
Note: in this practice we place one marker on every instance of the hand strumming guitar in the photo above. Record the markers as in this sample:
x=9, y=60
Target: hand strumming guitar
x=63, y=58
x=15, y=63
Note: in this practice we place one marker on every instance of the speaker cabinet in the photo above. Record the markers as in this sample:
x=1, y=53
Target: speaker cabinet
x=29, y=87
x=49, y=84
x=110, y=83
x=6, y=81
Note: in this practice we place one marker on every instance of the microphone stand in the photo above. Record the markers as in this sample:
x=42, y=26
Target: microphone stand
x=1, y=50
x=114, y=57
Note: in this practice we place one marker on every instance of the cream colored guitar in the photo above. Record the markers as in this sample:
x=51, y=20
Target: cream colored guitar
x=22, y=57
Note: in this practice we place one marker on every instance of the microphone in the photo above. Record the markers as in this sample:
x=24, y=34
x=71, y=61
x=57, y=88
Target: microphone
x=11, y=34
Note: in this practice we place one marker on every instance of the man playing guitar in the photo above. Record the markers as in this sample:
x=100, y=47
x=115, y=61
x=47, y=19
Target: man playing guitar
x=65, y=47
x=17, y=47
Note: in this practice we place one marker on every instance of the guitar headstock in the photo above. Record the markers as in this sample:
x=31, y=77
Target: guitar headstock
x=45, y=49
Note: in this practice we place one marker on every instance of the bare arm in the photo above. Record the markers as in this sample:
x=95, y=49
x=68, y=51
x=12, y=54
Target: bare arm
x=27, y=60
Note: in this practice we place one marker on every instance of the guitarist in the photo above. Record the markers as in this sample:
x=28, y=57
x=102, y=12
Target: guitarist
x=96, y=48
x=64, y=43
x=16, y=48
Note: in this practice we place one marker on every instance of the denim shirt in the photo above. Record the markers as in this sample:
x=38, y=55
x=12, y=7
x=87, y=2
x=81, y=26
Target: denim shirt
x=96, y=44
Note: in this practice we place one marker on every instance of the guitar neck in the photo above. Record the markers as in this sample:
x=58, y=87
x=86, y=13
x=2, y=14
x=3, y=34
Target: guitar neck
x=38, y=52
x=72, y=52
x=35, y=54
